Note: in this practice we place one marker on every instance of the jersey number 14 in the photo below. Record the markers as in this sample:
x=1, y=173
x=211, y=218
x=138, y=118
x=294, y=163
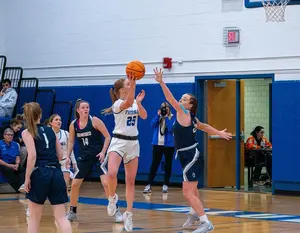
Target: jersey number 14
x=131, y=120
x=85, y=141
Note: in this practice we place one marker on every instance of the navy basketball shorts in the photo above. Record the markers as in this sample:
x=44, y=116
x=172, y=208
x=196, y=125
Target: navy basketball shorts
x=192, y=164
x=85, y=166
x=47, y=182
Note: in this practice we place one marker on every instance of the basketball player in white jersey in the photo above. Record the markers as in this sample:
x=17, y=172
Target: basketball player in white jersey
x=124, y=144
x=63, y=137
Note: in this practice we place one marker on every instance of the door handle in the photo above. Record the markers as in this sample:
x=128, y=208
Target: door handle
x=215, y=137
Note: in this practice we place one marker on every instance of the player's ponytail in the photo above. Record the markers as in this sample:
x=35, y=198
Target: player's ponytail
x=32, y=113
x=114, y=95
x=194, y=103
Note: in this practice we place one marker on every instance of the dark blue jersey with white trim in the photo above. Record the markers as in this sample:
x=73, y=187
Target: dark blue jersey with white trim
x=90, y=140
x=45, y=145
x=184, y=136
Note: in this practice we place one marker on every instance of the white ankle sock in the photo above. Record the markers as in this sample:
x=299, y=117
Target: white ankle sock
x=203, y=218
x=192, y=211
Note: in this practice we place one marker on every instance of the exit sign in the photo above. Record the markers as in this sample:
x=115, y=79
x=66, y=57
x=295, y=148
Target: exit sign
x=231, y=37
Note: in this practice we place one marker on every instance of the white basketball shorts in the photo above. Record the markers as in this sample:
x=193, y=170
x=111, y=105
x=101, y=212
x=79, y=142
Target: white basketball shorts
x=127, y=149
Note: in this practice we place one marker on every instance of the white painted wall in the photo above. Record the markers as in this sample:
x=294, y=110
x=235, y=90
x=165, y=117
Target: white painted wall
x=75, y=40
x=2, y=27
x=256, y=105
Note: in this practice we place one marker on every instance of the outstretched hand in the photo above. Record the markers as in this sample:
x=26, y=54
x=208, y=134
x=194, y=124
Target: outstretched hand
x=131, y=77
x=158, y=75
x=224, y=134
x=140, y=96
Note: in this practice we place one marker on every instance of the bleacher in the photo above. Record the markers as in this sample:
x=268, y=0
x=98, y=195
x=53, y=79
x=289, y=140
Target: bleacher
x=28, y=90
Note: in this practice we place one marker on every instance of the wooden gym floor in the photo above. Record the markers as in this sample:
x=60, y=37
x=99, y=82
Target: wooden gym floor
x=229, y=211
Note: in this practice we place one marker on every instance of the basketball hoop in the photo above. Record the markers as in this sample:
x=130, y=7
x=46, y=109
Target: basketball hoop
x=275, y=10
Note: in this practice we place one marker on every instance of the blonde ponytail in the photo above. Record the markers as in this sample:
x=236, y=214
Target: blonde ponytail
x=113, y=98
x=32, y=113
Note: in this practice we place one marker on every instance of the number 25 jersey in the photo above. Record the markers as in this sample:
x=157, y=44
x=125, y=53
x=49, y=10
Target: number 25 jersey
x=90, y=140
x=126, y=119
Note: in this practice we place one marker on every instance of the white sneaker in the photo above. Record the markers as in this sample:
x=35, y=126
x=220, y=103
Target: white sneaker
x=147, y=189
x=192, y=218
x=118, y=216
x=165, y=189
x=21, y=189
x=72, y=217
x=128, y=224
x=204, y=227
x=112, y=205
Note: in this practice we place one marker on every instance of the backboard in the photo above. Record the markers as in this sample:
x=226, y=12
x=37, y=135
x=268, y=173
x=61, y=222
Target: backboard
x=257, y=3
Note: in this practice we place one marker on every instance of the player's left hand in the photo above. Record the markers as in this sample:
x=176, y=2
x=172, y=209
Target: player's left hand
x=224, y=134
x=140, y=96
x=158, y=74
x=101, y=157
x=27, y=185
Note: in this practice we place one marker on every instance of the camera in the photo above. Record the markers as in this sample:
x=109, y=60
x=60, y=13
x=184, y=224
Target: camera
x=163, y=111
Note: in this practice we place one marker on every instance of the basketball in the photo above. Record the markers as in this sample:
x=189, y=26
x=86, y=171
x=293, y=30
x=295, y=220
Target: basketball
x=136, y=68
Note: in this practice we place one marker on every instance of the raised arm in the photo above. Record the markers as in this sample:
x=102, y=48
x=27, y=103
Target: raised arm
x=168, y=94
x=142, y=111
x=211, y=130
x=130, y=97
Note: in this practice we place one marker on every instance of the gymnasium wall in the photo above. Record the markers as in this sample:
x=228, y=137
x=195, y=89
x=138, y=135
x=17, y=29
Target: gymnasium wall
x=256, y=101
x=69, y=40
x=2, y=27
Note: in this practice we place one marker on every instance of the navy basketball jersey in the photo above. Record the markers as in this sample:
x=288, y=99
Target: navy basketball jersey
x=45, y=145
x=184, y=136
x=90, y=140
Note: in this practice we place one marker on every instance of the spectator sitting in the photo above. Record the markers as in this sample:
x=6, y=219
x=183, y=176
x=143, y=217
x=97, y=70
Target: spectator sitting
x=256, y=141
x=16, y=125
x=10, y=161
x=8, y=99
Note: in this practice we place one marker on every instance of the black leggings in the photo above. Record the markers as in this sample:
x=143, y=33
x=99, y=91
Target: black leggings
x=14, y=178
x=158, y=152
x=262, y=157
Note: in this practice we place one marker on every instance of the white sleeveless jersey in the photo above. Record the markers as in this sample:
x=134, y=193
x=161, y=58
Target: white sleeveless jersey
x=125, y=120
x=63, y=137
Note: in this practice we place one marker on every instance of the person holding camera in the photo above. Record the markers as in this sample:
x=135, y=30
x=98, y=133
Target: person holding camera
x=163, y=144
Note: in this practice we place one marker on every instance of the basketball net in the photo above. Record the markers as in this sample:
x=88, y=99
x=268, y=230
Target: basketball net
x=275, y=10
